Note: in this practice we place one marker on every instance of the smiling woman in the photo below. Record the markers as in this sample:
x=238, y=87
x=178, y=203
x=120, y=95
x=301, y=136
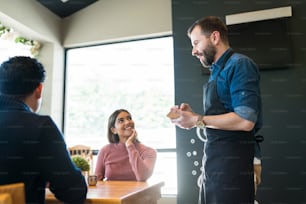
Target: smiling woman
x=125, y=157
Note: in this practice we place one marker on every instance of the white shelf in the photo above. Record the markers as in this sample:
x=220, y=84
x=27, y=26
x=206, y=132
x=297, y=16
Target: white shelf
x=260, y=15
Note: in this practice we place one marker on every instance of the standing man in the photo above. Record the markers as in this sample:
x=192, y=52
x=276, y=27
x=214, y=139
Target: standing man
x=32, y=148
x=232, y=115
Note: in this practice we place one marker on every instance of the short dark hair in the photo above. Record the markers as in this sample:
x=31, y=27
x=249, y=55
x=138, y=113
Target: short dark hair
x=210, y=24
x=20, y=76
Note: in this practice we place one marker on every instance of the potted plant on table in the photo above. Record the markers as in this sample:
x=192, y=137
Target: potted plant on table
x=81, y=163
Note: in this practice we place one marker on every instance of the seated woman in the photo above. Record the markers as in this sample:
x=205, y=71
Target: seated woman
x=125, y=158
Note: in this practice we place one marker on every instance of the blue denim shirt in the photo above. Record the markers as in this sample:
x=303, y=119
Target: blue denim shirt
x=238, y=87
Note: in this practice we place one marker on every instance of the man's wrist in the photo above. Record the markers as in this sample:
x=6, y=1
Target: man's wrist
x=200, y=122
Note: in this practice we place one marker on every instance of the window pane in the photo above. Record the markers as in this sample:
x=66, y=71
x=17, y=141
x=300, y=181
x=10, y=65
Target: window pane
x=137, y=76
x=165, y=170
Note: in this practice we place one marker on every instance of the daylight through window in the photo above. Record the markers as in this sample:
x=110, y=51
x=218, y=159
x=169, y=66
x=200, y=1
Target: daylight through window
x=135, y=75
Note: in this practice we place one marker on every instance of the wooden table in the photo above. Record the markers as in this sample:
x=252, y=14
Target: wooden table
x=119, y=192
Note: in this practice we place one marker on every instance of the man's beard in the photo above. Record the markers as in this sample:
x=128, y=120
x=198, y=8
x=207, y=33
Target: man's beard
x=209, y=55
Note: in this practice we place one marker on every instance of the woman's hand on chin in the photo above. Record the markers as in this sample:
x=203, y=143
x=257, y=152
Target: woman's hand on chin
x=131, y=139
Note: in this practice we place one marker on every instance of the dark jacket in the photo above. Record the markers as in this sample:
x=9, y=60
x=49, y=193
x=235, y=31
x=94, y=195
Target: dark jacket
x=33, y=151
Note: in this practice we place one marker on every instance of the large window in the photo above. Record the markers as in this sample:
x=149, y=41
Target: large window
x=135, y=75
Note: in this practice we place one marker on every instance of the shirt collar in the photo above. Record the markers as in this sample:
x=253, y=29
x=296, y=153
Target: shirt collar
x=9, y=103
x=219, y=62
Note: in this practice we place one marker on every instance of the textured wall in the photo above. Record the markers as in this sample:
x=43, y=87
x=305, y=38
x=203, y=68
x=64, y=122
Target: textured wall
x=284, y=104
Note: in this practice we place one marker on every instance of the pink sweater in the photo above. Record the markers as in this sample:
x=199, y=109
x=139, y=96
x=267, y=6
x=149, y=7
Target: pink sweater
x=117, y=162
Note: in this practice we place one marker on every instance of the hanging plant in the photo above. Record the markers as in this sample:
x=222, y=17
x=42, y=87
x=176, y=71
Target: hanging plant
x=3, y=29
x=35, y=46
x=24, y=41
x=9, y=34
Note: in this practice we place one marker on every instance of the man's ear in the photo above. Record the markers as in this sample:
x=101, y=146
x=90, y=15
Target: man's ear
x=38, y=91
x=215, y=37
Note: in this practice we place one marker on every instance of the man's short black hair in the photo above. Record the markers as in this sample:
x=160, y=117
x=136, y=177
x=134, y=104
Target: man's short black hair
x=20, y=76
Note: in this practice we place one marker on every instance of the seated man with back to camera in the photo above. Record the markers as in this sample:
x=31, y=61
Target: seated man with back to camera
x=32, y=148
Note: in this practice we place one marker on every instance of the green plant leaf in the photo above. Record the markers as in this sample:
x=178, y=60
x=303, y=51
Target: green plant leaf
x=80, y=162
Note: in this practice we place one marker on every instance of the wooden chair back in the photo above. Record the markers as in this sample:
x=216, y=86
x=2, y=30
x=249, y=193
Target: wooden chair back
x=12, y=193
x=80, y=150
x=84, y=151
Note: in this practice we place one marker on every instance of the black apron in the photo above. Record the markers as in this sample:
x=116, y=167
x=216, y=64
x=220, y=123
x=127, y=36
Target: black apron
x=228, y=176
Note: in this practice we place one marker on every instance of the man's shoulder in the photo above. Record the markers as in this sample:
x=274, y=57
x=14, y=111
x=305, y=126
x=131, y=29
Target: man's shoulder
x=24, y=117
x=240, y=63
x=241, y=58
x=36, y=118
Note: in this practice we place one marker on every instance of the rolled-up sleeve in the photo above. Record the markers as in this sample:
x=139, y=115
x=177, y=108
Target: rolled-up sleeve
x=244, y=91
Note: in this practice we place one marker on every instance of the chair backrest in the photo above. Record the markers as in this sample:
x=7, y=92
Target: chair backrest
x=12, y=193
x=80, y=150
x=84, y=151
